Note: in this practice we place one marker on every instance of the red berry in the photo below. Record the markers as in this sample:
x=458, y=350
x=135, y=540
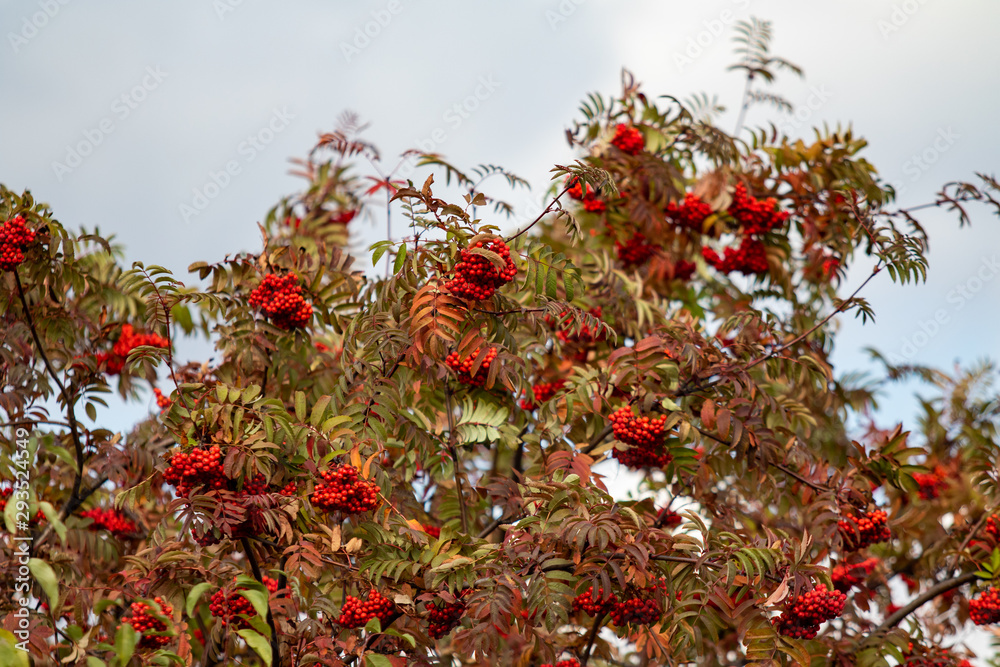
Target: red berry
x=442, y=617
x=542, y=392
x=230, y=608
x=356, y=614
x=463, y=367
x=342, y=490
x=476, y=277
x=142, y=621
x=128, y=340
x=691, y=213
x=804, y=613
x=755, y=216
x=628, y=139
x=860, y=532
x=985, y=609
x=280, y=299
x=645, y=437
x=636, y=251
x=586, y=603
x=111, y=520
x=15, y=237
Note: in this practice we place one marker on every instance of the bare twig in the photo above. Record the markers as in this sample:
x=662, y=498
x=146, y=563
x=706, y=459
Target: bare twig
x=928, y=595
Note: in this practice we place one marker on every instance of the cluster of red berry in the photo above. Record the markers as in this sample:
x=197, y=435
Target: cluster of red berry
x=463, y=367
x=804, y=613
x=582, y=192
x=933, y=656
x=542, y=392
x=644, y=436
x=628, y=139
x=669, y=518
x=755, y=216
x=344, y=491
x=985, y=609
x=476, y=278
x=636, y=251
x=128, y=340
x=860, y=532
x=749, y=259
x=683, y=270
x=598, y=607
x=230, y=609
x=931, y=483
x=280, y=299
x=992, y=527
x=433, y=531
x=356, y=614
x=691, y=213
x=110, y=520
x=162, y=402
x=200, y=467
x=846, y=577
x=343, y=217
x=14, y=239
x=637, y=431
x=584, y=336
x=443, y=617
x=563, y=663
x=642, y=609
x=143, y=621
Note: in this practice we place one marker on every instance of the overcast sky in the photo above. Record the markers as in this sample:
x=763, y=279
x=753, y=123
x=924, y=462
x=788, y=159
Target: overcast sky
x=120, y=113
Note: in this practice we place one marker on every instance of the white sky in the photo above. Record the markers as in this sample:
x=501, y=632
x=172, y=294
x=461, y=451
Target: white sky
x=903, y=73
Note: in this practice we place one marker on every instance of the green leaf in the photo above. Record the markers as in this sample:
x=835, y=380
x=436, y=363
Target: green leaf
x=257, y=598
x=125, y=641
x=400, y=259
x=10, y=654
x=377, y=255
x=194, y=595
x=377, y=660
x=258, y=643
x=46, y=577
x=300, y=406
x=91, y=662
x=374, y=625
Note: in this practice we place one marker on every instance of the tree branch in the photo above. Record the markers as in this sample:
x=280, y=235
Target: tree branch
x=928, y=595
x=255, y=568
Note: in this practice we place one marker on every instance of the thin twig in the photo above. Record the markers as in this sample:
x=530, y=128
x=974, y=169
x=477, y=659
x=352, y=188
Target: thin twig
x=598, y=622
x=255, y=568
x=548, y=209
x=70, y=409
x=928, y=595
x=838, y=309
x=454, y=456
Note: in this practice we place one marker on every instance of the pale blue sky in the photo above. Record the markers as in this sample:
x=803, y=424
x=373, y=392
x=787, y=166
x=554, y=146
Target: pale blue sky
x=166, y=94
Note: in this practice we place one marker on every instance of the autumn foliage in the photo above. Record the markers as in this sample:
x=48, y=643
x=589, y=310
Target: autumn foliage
x=410, y=465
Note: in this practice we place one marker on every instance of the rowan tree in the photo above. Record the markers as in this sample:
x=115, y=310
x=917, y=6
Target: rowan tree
x=399, y=469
